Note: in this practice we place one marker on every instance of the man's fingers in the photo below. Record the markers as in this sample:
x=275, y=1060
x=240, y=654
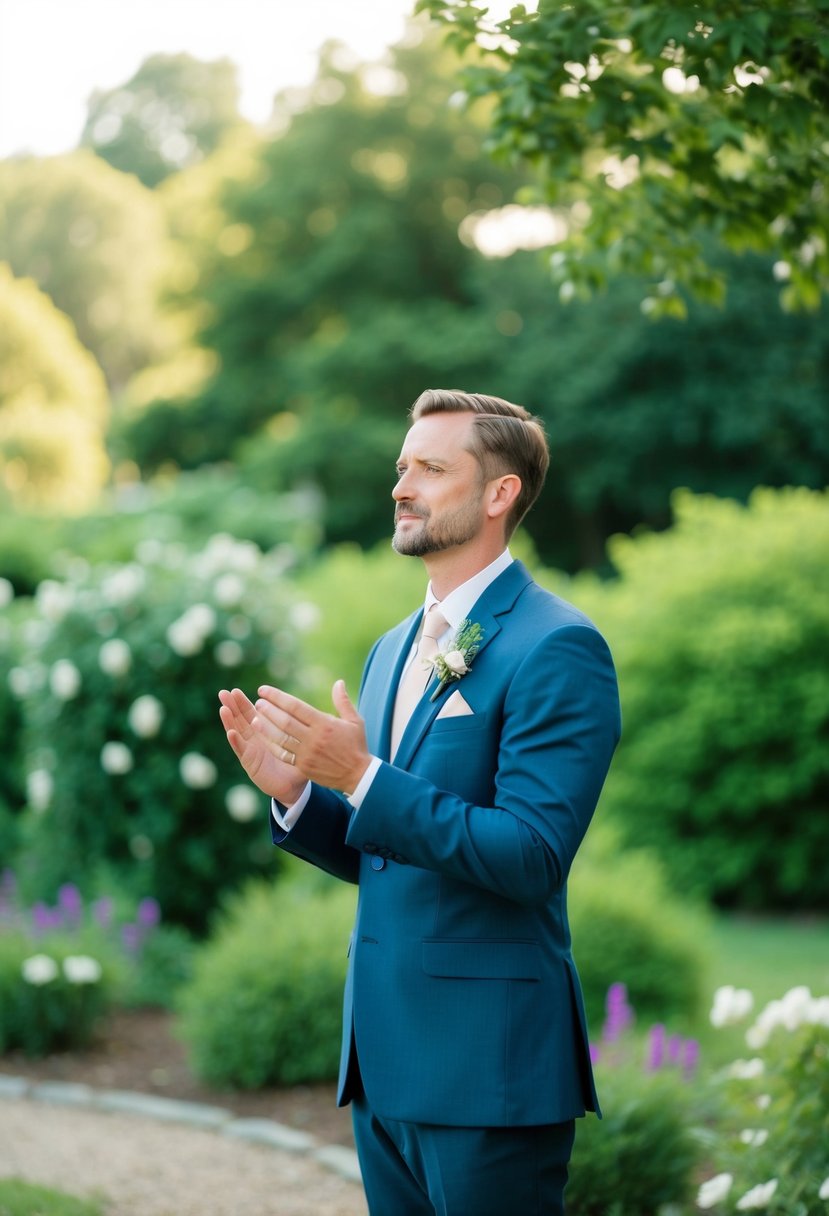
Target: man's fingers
x=300, y=711
x=343, y=704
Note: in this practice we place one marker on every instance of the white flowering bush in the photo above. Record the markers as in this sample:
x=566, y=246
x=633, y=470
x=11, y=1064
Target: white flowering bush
x=126, y=764
x=11, y=776
x=50, y=998
x=772, y=1148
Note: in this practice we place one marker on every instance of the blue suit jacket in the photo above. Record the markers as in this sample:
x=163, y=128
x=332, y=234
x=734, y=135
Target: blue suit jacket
x=462, y=1002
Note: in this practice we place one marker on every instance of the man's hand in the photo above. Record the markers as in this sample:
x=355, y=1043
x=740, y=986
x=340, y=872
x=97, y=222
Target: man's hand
x=266, y=765
x=326, y=748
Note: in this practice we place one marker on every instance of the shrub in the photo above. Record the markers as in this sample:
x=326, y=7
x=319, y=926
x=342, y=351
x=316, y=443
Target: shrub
x=11, y=782
x=720, y=628
x=126, y=759
x=19, y=1198
x=627, y=923
x=265, y=1002
x=772, y=1150
x=50, y=998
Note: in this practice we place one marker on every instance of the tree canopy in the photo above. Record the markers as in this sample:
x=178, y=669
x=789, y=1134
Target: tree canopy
x=53, y=404
x=660, y=130
x=173, y=112
x=94, y=239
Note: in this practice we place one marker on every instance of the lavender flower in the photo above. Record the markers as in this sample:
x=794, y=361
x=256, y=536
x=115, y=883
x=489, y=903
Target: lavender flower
x=102, y=910
x=70, y=904
x=149, y=913
x=619, y=1014
x=656, y=1047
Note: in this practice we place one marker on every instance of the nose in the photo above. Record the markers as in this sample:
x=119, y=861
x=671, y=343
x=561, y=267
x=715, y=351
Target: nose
x=401, y=493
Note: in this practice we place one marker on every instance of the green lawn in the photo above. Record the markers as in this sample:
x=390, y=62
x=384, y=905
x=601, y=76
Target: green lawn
x=18, y=1198
x=767, y=955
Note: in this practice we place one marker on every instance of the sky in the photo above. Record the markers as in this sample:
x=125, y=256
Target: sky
x=53, y=53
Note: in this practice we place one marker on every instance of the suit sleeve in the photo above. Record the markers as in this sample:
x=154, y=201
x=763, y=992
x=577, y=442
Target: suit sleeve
x=560, y=725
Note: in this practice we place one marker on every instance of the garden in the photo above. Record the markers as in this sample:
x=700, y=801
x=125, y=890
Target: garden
x=205, y=365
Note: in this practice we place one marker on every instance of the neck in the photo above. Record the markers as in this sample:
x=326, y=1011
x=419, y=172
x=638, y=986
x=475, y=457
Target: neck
x=449, y=568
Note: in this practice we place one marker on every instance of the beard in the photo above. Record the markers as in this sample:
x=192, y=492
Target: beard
x=445, y=531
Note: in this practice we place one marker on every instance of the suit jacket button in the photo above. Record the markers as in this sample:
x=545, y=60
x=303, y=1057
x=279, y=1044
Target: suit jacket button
x=377, y=863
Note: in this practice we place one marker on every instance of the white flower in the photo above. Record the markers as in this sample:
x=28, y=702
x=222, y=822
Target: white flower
x=228, y=590
x=116, y=758
x=187, y=635
x=763, y=1101
x=6, y=592
x=229, y=653
x=40, y=786
x=730, y=1005
x=304, y=616
x=818, y=1011
x=746, y=1070
x=65, y=680
x=455, y=660
x=758, y=1197
x=53, y=599
x=39, y=969
x=124, y=584
x=20, y=682
x=242, y=802
x=145, y=716
x=81, y=969
x=754, y=1136
x=115, y=657
x=714, y=1190
x=823, y=1193
x=197, y=771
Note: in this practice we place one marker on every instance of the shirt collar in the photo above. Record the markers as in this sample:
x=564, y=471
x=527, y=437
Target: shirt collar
x=459, y=603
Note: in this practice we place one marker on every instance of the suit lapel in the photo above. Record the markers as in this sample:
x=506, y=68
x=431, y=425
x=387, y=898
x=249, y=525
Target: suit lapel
x=381, y=686
x=498, y=599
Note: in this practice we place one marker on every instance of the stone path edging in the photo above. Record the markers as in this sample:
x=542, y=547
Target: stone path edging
x=334, y=1157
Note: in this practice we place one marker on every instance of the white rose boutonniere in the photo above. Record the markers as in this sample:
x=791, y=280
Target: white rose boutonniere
x=454, y=662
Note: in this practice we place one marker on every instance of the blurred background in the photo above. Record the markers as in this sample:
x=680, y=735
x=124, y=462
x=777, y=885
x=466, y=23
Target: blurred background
x=236, y=242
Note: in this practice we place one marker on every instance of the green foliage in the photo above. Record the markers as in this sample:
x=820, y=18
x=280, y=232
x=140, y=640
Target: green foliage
x=358, y=595
x=50, y=996
x=641, y=1157
x=94, y=240
x=776, y=1130
x=652, y=127
x=332, y=299
x=629, y=927
x=172, y=112
x=125, y=756
x=19, y=1198
x=265, y=1003
x=719, y=629
x=53, y=403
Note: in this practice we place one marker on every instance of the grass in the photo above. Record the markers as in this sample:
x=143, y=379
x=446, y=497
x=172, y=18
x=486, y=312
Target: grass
x=19, y=1198
x=768, y=955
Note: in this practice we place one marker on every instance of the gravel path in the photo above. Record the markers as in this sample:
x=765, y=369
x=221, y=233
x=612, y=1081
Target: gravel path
x=145, y=1167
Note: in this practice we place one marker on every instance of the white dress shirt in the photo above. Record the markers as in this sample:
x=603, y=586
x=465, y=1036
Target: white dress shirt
x=455, y=608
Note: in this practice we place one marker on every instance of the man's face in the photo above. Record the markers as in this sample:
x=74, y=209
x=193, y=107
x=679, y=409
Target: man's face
x=439, y=491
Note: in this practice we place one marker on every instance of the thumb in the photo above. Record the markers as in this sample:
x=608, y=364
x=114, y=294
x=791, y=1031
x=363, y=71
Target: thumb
x=343, y=704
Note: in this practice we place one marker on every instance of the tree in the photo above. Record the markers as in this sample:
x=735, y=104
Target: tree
x=53, y=404
x=653, y=127
x=337, y=289
x=94, y=240
x=172, y=113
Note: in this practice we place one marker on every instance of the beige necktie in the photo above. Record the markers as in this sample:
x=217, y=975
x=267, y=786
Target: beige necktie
x=417, y=674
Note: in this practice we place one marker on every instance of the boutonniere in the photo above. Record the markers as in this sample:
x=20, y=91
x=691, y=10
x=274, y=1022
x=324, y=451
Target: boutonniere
x=455, y=661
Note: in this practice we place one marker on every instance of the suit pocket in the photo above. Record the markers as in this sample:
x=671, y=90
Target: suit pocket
x=482, y=959
x=457, y=722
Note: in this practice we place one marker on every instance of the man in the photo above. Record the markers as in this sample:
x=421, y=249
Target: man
x=458, y=807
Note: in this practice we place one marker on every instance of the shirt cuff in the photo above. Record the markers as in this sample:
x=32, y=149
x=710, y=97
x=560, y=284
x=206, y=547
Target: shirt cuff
x=364, y=784
x=286, y=816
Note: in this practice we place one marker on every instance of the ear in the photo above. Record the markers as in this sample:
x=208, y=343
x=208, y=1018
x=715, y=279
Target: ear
x=502, y=493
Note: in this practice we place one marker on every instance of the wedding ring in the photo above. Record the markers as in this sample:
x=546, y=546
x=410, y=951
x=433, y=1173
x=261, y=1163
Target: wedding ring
x=290, y=757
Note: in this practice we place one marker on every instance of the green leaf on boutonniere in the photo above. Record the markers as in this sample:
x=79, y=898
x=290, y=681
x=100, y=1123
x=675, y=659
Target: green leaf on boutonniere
x=455, y=660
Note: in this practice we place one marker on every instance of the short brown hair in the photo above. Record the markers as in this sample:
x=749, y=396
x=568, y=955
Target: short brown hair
x=499, y=445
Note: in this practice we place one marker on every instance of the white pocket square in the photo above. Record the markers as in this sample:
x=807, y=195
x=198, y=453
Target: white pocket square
x=454, y=706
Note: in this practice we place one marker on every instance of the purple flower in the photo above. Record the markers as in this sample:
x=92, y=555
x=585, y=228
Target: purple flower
x=70, y=904
x=656, y=1047
x=619, y=1014
x=131, y=937
x=595, y=1054
x=675, y=1046
x=690, y=1057
x=149, y=913
x=42, y=917
x=102, y=910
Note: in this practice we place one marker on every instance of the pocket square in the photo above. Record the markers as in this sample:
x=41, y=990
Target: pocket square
x=455, y=706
